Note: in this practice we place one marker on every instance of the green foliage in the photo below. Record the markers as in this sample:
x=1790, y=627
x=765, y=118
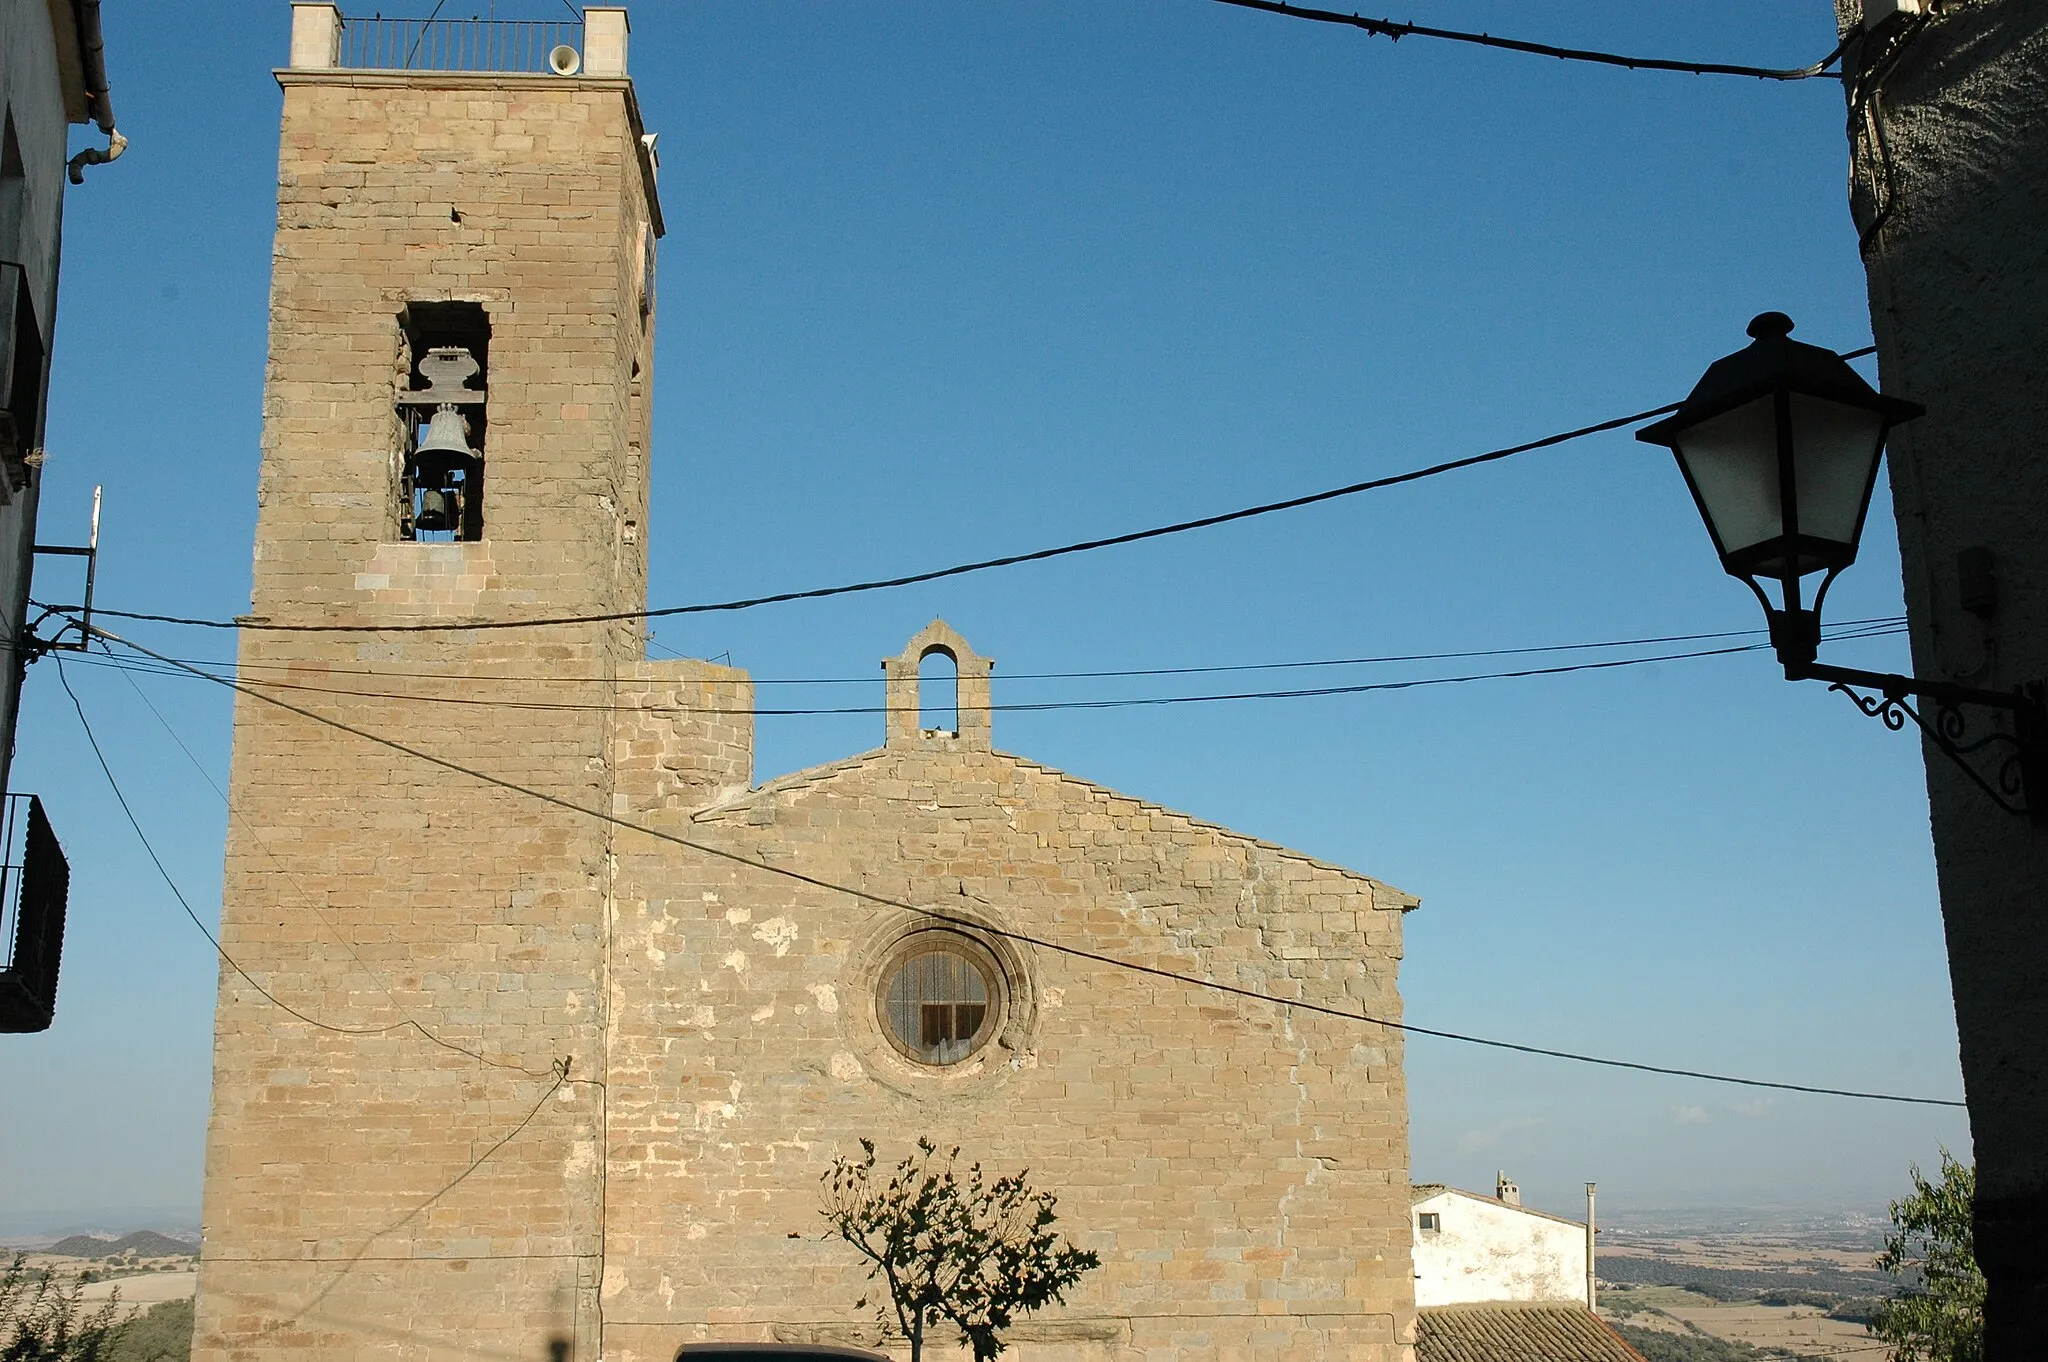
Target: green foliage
x=43, y=1320
x=1942, y=1318
x=1656, y=1300
x=163, y=1333
x=1718, y=1291
x=1858, y=1310
x=974, y=1253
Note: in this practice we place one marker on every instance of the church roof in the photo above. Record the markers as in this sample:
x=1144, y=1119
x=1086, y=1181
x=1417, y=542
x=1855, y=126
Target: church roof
x=851, y=769
x=1517, y=1333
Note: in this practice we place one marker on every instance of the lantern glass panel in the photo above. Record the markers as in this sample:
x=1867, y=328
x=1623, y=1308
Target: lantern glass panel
x=1732, y=461
x=1837, y=448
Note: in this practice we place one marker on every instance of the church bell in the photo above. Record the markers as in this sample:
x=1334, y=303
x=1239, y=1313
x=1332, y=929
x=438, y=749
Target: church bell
x=444, y=447
x=443, y=472
x=438, y=510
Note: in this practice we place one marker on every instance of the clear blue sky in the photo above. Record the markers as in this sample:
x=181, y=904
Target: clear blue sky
x=947, y=280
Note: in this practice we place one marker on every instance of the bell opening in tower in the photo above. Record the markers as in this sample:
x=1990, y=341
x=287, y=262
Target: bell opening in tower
x=442, y=409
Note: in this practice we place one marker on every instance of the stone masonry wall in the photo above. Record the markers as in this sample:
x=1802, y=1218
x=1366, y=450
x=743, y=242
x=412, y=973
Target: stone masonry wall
x=34, y=52
x=369, y=1187
x=685, y=736
x=1952, y=200
x=500, y=1070
x=1240, y=1166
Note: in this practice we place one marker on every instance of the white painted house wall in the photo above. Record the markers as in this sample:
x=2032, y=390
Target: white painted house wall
x=1487, y=1250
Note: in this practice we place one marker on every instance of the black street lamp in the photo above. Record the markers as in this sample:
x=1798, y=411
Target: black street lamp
x=1779, y=444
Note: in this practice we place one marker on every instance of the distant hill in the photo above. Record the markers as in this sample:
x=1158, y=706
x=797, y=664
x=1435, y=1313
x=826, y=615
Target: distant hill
x=143, y=1243
x=81, y=1246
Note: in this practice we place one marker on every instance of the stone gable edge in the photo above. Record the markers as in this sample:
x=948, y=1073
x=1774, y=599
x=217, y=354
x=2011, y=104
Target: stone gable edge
x=1384, y=895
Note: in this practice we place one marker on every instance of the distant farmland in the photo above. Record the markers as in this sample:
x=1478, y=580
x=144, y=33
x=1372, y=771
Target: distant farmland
x=1737, y=1284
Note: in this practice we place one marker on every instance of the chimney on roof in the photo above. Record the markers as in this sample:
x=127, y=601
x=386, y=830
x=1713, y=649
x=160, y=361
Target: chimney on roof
x=1591, y=1231
x=1505, y=1189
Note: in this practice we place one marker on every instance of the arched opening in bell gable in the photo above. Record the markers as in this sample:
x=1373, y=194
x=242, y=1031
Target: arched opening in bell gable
x=938, y=691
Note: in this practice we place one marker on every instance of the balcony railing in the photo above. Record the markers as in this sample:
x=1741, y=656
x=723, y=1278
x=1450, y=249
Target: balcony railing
x=511, y=45
x=35, y=882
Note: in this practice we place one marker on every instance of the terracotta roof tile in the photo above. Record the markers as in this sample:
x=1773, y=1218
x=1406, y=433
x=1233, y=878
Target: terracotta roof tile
x=1517, y=1333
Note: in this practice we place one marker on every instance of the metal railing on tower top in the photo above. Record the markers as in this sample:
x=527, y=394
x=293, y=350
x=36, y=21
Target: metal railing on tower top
x=510, y=45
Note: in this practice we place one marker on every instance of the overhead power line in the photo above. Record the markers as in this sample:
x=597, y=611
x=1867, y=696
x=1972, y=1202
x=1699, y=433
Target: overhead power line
x=1844, y=629
x=1034, y=706
x=937, y=574
x=305, y=895
x=559, y=1071
x=1059, y=948
x=1395, y=31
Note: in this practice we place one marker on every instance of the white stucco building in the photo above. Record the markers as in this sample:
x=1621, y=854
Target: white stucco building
x=1471, y=1249
x=52, y=74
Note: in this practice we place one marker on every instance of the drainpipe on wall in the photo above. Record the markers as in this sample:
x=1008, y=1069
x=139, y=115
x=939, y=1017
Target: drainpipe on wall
x=1591, y=1231
x=92, y=53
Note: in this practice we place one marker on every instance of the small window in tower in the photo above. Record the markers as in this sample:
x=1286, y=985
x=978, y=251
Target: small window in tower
x=940, y=996
x=442, y=416
x=1429, y=1222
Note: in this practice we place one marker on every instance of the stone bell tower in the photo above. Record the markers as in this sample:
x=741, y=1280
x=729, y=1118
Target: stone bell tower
x=404, y=1147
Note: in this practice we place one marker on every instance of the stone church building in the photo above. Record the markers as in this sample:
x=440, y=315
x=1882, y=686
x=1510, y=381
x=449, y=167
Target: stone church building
x=545, y=1018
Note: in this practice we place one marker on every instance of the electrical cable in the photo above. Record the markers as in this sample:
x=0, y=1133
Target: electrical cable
x=936, y=574
x=1073, y=952
x=560, y=1071
x=1839, y=630
x=913, y=579
x=426, y=24
x=127, y=811
x=1046, y=706
x=1390, y=29
x=304, y=895
x=1865, y=110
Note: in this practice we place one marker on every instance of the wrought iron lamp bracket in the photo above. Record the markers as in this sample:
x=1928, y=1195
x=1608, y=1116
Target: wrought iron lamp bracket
x=2019, y=784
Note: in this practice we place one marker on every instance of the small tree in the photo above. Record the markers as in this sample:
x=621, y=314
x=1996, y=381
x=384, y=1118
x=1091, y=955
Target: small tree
x=1942, y=1318
x=42, y=1320
x=974, y=1253
x=162, y=1333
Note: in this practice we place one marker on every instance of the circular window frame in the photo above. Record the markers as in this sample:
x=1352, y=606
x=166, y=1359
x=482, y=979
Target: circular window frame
x=867, y=1034
x=995, y=978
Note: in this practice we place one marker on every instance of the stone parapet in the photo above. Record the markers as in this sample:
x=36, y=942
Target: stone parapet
x=684, y=739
